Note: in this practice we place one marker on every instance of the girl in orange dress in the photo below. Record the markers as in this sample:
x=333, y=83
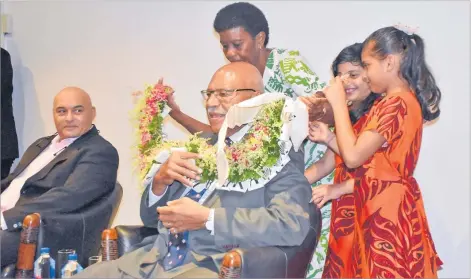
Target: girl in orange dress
x=378, y=223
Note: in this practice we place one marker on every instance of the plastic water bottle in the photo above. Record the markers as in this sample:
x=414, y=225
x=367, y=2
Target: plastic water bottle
x=72, y=267
x=44, y=266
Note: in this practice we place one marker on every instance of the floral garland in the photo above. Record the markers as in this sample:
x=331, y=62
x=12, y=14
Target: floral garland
x=248, y=159
x=148, y=115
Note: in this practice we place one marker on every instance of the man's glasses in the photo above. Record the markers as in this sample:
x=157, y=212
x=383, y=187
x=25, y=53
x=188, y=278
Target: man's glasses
x=223, y=94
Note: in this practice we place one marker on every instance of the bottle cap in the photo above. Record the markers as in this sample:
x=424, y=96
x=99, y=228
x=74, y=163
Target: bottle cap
x=72, y=257
x=44, y=250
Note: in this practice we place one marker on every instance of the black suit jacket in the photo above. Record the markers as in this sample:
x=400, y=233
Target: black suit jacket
x=84, y=172
x=9, y=138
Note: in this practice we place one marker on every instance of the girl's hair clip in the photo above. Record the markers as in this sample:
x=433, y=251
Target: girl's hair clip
x=407, y=29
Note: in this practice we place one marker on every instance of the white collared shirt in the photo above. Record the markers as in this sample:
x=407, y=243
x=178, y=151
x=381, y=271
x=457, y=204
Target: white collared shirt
x=153, y=198
x=12, y=194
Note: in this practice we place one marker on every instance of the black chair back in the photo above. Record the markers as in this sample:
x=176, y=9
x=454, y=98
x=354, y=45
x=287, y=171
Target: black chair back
x=81, y=230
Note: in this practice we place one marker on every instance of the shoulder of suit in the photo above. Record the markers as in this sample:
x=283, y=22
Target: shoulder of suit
x=96, y=141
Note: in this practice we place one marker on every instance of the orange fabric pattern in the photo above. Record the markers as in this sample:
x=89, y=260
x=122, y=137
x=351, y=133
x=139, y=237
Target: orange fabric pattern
x=380, y=230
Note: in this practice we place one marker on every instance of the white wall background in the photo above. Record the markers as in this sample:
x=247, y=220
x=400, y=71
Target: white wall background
x=112, y=48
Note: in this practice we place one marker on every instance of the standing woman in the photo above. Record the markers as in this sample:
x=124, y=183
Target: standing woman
x=244, y=35
x=379, y=226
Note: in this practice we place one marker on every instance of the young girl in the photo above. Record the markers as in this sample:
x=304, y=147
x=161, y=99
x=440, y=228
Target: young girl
x=380, y=228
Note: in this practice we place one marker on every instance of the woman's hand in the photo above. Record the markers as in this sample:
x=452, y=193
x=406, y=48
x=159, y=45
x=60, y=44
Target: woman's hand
x=326, y=192
x=171, y=99
x=335, y=92
x=319, y=132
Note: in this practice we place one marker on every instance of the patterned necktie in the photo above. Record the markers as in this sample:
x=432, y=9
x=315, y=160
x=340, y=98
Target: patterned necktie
x=178, y=243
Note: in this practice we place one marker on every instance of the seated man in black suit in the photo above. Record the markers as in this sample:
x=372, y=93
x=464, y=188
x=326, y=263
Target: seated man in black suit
x=60, y=173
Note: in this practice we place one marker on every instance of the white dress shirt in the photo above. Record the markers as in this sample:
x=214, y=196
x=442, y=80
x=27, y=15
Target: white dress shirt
x=153, y=198
x=12, y=194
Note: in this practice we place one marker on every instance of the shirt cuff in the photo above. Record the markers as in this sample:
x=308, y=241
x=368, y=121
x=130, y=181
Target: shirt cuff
x=4, y=224
x=210, y=223
x=153, y=198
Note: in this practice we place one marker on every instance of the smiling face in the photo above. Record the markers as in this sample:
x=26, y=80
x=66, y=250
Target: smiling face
x=233, y=76
x=356, y=85
x=73, y=112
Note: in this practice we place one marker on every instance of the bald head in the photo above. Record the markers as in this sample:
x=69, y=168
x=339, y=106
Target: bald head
x=238, y=75
x=231, y=84
x=73, y=112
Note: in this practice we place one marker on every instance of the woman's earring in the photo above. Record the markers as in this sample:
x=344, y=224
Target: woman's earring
x=383, y=95
x=349, y=103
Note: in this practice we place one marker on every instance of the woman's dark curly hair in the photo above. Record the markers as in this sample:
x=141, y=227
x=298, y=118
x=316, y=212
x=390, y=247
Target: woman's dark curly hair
x=242, y=14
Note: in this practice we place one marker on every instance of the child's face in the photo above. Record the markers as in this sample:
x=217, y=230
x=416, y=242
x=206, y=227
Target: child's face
x=354, y=81
x=375, y=69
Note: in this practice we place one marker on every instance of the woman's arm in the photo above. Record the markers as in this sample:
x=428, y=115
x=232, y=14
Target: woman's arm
x=321, y=168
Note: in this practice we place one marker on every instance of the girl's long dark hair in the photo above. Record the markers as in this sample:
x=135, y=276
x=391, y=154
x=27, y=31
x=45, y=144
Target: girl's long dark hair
x=414, y=69
x=352, y=54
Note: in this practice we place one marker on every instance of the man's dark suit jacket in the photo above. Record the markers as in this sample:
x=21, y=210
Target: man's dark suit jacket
x=9, y=138
x=84, y=172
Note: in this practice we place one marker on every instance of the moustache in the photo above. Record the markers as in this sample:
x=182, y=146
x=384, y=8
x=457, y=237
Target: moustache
x=213, y=109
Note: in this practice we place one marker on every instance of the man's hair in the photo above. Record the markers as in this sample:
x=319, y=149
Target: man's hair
x=242, y=14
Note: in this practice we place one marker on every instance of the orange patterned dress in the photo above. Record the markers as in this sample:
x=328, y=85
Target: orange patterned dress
x=380, y=230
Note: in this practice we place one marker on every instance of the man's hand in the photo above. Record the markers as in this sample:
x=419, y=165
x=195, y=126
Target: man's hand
x=183, y=215
x=178, y=167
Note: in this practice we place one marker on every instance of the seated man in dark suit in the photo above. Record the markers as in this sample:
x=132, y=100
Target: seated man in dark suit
x=60, y=173
x=194, y=235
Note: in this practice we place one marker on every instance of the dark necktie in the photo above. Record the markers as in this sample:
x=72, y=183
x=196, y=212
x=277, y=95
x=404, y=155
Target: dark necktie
x=178, y=243
x=228, y=141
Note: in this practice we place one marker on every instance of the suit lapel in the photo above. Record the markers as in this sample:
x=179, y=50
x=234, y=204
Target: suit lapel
x=69, y=152
x=32, y=153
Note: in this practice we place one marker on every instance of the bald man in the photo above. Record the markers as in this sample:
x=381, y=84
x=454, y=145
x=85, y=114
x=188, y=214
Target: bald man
x=277, y=214
x=60, y=173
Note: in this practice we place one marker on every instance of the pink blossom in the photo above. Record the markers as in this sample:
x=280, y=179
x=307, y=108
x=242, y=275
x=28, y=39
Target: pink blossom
x=235, y=156
x=145, y=138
